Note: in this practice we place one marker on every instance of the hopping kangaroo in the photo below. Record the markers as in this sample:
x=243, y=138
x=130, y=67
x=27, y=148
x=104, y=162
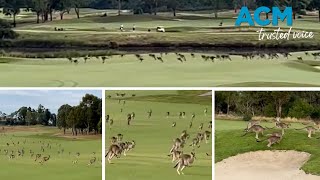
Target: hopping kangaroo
x=128, y=146
x=184, y=160
x=274, y=138
x=252, y=122
x=178, y=143
x=310, y=129
x=255, y=128
x=114, y=150
x=282, y=126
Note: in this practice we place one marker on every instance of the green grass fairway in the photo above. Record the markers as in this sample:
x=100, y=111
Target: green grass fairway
x=154, y=136
x=59, y=166
x=229, y=143
x=128, y=71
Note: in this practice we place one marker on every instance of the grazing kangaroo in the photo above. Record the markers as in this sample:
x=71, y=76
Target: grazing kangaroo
x=175, y=155
x=114, y=150
x=310, y=129
x=274, y=138
x=184, y=161
x=255, y=128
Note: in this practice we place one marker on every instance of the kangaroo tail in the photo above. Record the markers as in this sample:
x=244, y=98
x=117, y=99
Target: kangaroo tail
x=244, y=134
x=176, y=164
x=270, y=128
x=260, y=140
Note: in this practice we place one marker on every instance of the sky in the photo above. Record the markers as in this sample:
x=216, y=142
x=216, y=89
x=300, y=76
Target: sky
x=12, y=100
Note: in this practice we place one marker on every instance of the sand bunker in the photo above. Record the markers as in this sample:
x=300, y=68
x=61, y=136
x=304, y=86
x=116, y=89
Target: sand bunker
x=264, y=165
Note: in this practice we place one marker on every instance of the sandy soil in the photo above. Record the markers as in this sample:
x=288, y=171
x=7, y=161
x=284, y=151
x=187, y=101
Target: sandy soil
x=264, y=165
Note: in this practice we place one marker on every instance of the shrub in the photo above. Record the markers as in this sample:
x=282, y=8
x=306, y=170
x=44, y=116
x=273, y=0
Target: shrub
x=247, y=117
x=300, y=109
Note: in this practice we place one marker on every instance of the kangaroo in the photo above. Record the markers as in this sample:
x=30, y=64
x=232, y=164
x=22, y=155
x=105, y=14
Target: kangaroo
x=282, y=126
x=273, y=139
x=177, y=144
x=174, y=124
x=92, y=161
x=200, y=136
x=184, y=161
x=113, y=140
x=210, y=125
x=37, y=157
x=255, y=128
x=195, y=142
x=207, y=136
x=310, y=129
x=114, y=150
x=184, y=135
x=201, y=126
x=44, y=159
x=119, y=137
x=175, y=155
x=128, y=146
x=252, y=122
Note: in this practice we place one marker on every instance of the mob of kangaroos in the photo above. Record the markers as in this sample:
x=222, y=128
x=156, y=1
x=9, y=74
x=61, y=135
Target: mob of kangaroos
x=118, y=147
x=276, y=137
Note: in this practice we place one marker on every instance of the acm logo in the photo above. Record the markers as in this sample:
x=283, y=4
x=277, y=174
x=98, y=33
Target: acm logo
x=245, y=16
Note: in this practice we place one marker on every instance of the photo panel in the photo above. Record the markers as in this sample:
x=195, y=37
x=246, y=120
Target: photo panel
x=267, y=135
x=159, y=134
x=49, y=133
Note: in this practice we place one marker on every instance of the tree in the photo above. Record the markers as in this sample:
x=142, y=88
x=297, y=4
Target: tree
x=12, y=8
x=31, y=117
x=72, y=119
x=315, y=5
x=63, y=113
x=280, y=98
x=77, y=4
x=64, y=6
x=173, y=4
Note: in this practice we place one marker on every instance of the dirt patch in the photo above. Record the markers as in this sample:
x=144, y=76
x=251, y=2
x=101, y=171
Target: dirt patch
x=12, y=129
x=79, y=136
x=264, y=165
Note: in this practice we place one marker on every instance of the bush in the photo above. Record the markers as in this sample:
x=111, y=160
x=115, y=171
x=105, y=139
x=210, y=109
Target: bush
x=315, y=114
x=247, y=117
x=300, y=109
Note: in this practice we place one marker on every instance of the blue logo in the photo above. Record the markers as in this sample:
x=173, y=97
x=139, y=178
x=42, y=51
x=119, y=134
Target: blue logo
x=245, y=16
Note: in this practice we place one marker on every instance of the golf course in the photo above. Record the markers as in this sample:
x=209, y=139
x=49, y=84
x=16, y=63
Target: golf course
x=92, y=52
x=61, y=149
x=154, y=130
x=269, y=134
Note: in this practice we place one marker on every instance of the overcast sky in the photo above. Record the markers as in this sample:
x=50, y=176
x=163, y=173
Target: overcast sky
x=12, y=100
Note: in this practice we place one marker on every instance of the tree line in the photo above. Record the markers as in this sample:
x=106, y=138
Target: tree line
x=268, y=104
x=29, y=116
x=44, y=9
x=83, y=118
